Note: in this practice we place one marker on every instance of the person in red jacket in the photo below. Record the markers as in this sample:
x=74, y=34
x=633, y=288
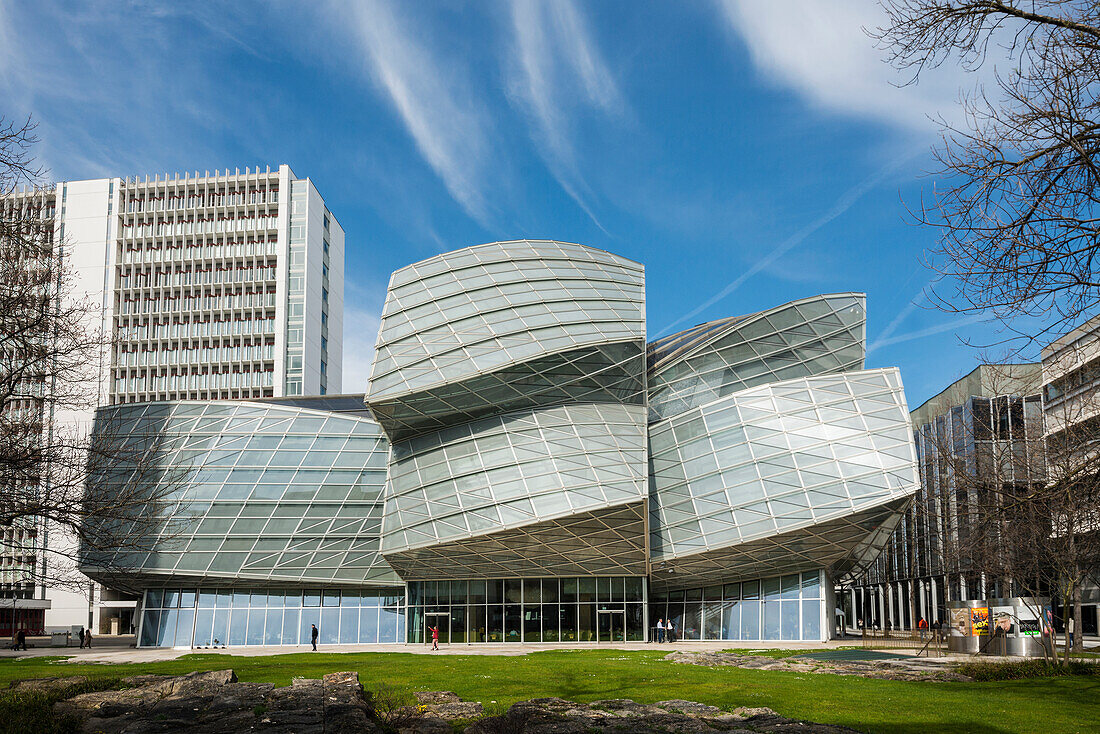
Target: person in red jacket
x=922, y=625
x=435, y=637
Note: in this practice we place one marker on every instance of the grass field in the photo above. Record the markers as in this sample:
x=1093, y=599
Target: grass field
x=1069, y=704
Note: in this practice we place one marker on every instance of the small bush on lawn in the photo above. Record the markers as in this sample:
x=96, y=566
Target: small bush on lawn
x=25, y=711
x=1017, y=670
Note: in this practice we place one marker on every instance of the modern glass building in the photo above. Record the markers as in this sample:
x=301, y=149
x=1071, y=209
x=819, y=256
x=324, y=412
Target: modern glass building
x=524, y=468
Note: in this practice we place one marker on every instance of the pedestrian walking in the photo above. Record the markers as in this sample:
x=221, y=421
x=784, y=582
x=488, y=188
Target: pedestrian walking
x=435, y=637
x=670, y=631
x=660, y=630
x=88, y=639
x=922, y=626
x=1070, y=628
x=313, y=636
x=81, y=638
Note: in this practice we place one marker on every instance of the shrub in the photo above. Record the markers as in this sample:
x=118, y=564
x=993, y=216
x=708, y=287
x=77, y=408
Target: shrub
x=1020, y=669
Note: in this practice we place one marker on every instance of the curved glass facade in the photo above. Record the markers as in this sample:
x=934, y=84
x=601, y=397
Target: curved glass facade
x=531, y=471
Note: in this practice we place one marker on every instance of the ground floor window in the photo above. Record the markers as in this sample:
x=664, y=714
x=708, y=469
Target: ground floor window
x=215, y=617
x=777, y=608
x=579, y=609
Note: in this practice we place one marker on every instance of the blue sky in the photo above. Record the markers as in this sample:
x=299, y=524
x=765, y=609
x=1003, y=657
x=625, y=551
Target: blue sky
x=748, y=153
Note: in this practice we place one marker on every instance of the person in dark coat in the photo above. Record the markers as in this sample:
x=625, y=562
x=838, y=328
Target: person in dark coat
x=313, y=636
x=81, y=638
x=21, y=639
x=88, y=639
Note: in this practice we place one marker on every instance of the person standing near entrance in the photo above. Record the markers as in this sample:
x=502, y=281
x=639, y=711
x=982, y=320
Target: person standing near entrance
x=435, y=637
x=660, y=630
x=81, y=638
x=670, y=631
x=313, y=636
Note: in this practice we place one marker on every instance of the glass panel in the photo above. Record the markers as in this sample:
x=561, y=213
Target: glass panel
x=712, y=619
x=309, y=618
x=567, y=621
x=496, y=623
x=692, y=627
x=290, y=627
x=150, y=626
x=634, y=589
x=550, y=592
x=532, y=591
x=811, y=585
x=586, y=620
x=153, y=598
x=532, y=622
x=771, y=589
x=330, y=626
x=494, y=592
x=732, y=592
x=513, y=618
x=368, y=624
x=240, y=600
x=811, y=620
x=204, y=623
x=513, y=591
x=750, y=590
x=458, y=622
x=790, y=587
x=220, y=633
x=349, y=625
x=331, y=599
x=273, y=628
x=185, y=626
x=255, y=627
x=475, y=619
x=635, y=620
x=770, y=616
x=586, y=590
x=207, y=599
x=569, y=590
x=171, y=598
x=789, y=623
x=731, y=620
x=603, y=589
x=750, y=620
x=311, y=599
x=477, y=592
x=389, y=625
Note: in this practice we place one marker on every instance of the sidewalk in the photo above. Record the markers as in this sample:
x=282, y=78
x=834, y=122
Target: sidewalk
x=118, y=654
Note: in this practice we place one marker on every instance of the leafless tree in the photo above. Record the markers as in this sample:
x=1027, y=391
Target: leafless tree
x=1018, y=211
x=51, y=343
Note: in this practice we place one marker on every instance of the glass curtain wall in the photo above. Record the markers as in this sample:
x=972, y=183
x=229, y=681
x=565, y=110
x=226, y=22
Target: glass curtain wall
x=778, y=608
x=216, y=617
x=583, y=609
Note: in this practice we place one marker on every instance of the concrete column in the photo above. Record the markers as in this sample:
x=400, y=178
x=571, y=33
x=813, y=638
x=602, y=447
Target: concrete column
x=935, y=601
x=855, y=612
x=922, y=601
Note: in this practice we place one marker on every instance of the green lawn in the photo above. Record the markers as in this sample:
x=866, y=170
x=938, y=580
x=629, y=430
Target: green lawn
x=1042, y=705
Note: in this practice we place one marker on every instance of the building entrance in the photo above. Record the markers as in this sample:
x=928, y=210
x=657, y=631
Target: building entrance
x=442, y=620
x=611, y=625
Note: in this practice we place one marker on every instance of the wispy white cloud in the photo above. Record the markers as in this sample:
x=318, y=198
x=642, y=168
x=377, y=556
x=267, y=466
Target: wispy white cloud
x=822, y=52
x=557, y=74
x=927, y=331
x=450, y=129
x=841, y=205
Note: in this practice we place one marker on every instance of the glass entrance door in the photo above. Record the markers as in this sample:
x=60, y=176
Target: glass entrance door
x=611, y=625
x=442, y=620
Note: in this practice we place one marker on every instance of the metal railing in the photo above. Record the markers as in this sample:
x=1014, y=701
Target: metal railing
x=926, y=642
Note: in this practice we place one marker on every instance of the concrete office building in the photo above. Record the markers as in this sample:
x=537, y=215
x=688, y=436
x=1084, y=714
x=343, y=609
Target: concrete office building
x=1071, y=409
x=525, y=467
x=986, y=427
x=213, y=287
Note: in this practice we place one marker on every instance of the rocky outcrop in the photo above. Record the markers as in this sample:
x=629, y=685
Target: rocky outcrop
x=910, y=669
x=216, y=702
x=557, y=716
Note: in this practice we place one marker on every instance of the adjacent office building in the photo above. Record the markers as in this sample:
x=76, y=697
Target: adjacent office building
x=525, y=467
x=984, y=430
x=213, y=287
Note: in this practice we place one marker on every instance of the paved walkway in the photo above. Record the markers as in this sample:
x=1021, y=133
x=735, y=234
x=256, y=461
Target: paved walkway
x=107, y=653
x=119, y=649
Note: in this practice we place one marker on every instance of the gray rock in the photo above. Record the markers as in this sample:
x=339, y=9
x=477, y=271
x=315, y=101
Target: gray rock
x=48, y=685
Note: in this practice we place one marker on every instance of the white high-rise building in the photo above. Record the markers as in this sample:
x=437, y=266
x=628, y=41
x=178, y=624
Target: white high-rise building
x=222, y=286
